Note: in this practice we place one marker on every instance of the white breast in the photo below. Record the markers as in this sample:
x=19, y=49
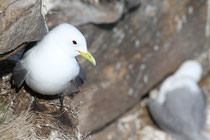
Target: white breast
x=50, y=73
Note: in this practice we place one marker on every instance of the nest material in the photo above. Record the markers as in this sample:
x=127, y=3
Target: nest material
x=20, y=127
x=22, y=122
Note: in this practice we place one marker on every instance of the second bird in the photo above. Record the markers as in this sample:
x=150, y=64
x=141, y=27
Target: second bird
x=180, y=107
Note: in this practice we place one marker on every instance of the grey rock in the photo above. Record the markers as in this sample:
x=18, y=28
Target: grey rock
x=82, y=12
x=20, y=21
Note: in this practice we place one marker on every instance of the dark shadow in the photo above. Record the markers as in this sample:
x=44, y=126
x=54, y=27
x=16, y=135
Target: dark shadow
x=40, y=107
x=146, y=95
x=63, y=117
x=40, y=96
x=7, y=65
x=29, y=46
x=106, y=26
x=134, y=8
x=110, y=26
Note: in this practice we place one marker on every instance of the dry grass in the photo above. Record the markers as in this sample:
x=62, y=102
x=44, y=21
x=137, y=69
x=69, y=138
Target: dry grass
x=19, y=128
x=18, y=120
x=4, y=112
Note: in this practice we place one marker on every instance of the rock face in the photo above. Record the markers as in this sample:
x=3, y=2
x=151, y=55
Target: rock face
x=137, y=123
x=133, y=55
x=20, y=21
x=79, y=12
x=136, y=54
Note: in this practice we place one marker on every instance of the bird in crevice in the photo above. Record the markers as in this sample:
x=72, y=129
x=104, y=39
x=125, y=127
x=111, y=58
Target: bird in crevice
x=49, y=67
x=180, y=107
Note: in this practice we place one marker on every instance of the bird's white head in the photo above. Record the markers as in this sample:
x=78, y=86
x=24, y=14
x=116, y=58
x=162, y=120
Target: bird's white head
x=191, y=69
x=71, y=40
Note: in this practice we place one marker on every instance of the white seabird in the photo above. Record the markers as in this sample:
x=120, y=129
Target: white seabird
x=50, y=66
x=180, y=107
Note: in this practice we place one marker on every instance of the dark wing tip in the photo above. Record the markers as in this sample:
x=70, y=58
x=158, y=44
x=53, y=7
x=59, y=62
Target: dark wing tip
x=81, y=77
x=19, y=74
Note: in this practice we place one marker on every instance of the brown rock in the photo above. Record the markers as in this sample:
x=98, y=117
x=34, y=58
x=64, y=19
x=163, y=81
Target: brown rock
x=20, y=21
x=137, y=123
x=88, y=11
x=136, y=54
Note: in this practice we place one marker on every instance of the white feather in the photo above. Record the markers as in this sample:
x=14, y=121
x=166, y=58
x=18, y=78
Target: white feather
x=188, y=75
x=51, y=65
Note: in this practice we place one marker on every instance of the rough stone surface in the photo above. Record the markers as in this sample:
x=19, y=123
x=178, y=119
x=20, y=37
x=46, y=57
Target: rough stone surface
x=79, y=12
x=136, y=54
x=137, y=123
x=133, y=55
x=20, y=21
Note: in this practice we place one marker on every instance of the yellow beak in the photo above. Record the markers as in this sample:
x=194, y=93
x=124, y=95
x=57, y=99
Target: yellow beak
x=89, y=57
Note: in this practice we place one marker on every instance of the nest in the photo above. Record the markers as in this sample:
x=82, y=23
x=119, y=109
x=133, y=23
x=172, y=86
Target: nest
x=18, y=120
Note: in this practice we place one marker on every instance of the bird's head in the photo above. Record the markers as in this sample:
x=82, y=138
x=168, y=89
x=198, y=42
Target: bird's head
x=71, y=40
x=191, y=69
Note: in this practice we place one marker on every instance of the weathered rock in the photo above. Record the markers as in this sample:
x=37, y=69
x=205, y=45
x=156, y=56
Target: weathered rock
x=46, y=123
x=137, y=123
x=136, y=54
x=81, y=12
x=20, y=21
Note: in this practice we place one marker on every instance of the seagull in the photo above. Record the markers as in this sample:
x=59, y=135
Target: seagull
x=180, y=107
x=49, y=67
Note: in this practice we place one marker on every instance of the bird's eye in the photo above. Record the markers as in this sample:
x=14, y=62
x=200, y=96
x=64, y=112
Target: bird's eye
x=74, y=42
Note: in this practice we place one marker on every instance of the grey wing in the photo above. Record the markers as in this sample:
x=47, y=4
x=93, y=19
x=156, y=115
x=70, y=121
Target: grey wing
x=180, y=115
x=19, y=74
x=80, y=78
x=160, y=115
x=199, y=110
x=185, y=107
